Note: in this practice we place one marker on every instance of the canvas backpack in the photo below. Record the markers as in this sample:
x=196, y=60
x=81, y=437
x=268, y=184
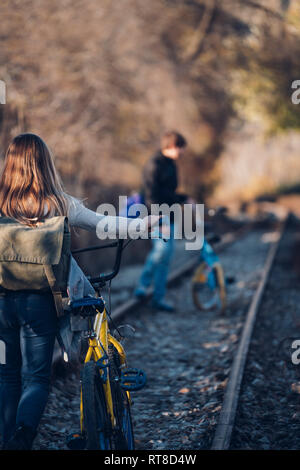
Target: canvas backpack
x=36, y=258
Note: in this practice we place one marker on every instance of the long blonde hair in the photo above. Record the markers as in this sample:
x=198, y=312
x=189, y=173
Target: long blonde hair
x=30, y=188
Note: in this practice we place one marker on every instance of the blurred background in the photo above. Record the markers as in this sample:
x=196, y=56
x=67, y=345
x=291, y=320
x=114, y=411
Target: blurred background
x=100, y=81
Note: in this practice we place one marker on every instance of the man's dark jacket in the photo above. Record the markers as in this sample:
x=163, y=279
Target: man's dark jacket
x=160, y=181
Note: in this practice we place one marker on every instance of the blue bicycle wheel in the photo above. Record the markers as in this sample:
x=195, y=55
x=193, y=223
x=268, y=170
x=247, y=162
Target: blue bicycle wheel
x=205, y=288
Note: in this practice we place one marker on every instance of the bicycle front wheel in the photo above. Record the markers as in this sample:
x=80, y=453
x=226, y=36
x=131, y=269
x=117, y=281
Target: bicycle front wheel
x=123, y=438
x=96, y=421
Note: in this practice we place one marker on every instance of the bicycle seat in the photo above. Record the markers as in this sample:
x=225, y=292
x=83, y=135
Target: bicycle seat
x=87, y=306
x=213, y=239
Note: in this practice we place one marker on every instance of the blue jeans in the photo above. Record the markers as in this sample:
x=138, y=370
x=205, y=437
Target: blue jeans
x=28, y=325
x=157, y=265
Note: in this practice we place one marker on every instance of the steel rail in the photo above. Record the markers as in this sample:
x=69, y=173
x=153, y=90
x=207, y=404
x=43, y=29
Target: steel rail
x=223, y=433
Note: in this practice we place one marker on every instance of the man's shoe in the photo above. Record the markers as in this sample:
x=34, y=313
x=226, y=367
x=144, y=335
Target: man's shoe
x=22, y=439
x=140, y=293
x=162, y=305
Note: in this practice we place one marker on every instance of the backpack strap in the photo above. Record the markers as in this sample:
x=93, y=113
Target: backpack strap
x=57, y=295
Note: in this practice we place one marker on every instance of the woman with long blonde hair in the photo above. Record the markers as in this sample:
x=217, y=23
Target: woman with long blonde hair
x=31, y=191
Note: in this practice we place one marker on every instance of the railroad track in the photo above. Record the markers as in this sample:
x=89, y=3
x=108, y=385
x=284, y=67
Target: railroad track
x=187, y=357
x=227, y=417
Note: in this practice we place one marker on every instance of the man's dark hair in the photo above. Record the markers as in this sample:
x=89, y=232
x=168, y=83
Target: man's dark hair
x=172, y=139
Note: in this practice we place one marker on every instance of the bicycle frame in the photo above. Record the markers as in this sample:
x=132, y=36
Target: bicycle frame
x=99, y=337
x=98, y=341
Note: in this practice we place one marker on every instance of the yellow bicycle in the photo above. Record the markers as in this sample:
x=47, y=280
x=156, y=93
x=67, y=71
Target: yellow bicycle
x=106, y=381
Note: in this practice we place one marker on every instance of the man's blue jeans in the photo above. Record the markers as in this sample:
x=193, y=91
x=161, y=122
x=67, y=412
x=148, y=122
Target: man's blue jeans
x=28, y=326
x=156, y=267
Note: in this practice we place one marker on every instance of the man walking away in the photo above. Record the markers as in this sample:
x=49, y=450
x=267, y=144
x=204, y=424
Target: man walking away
x=159, y=187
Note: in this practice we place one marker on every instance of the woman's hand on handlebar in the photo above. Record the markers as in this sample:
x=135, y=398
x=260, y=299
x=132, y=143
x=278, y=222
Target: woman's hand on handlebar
x=151, y=221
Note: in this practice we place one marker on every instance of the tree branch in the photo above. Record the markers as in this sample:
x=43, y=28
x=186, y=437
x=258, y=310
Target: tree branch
x=196, y=45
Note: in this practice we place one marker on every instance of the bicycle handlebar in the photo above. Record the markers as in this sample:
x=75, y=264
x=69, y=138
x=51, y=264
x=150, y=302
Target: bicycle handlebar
x=213, y=239
x=103, y=278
